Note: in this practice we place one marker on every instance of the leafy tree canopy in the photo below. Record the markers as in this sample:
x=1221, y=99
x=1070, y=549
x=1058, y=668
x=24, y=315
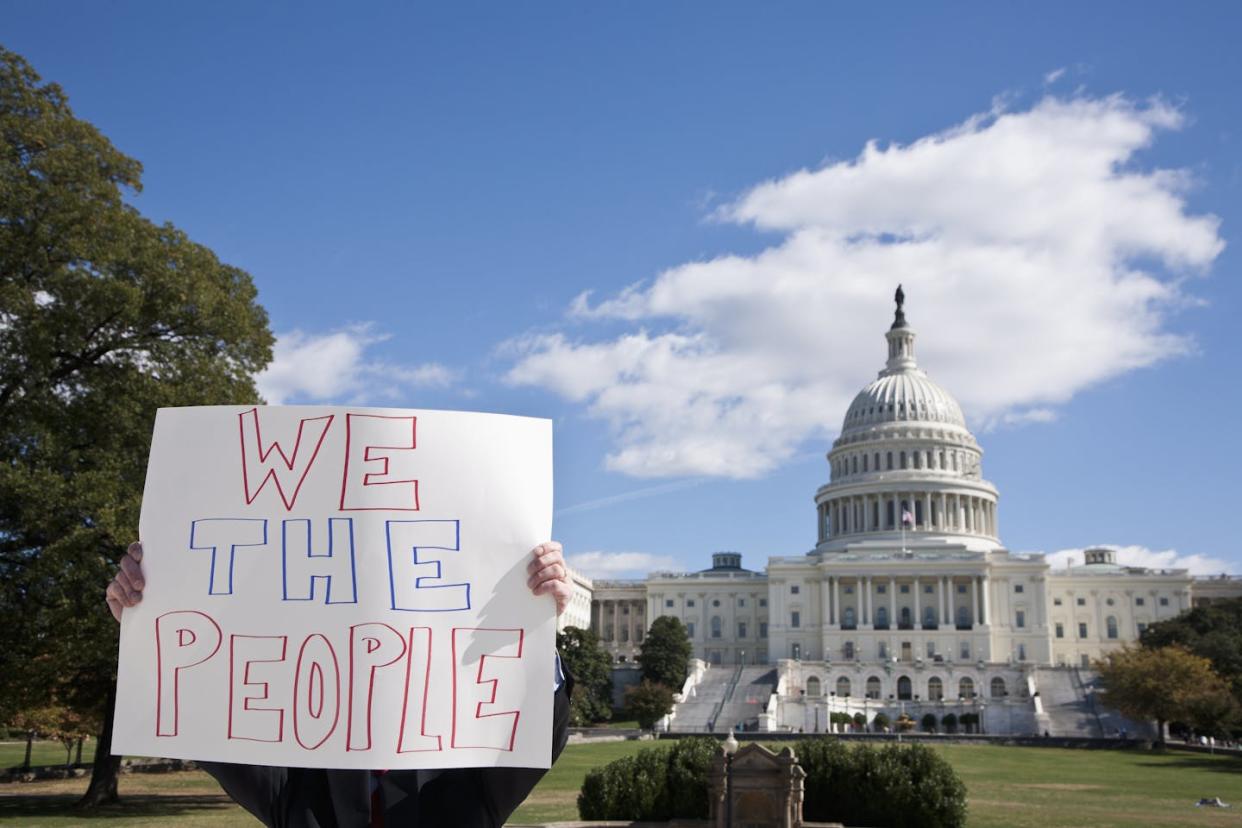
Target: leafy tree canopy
x=592, y=671
x=1167, y=684
x=648, y=702
x=665, y=653
x=104, y=317
x=1213, y=632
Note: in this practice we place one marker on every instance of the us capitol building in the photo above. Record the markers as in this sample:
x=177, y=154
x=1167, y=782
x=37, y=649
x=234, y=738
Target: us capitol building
x=908, y=602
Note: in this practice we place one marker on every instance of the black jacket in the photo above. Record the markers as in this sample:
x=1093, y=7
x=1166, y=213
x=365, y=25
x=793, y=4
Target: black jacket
x=456, y=798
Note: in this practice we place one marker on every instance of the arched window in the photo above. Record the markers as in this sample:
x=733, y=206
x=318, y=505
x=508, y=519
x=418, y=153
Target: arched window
x=905, y=618
x=1111, y=623
x=881, y=618
x=905, y=690
x=903, y=460
x=812, y=686
x=998, y=688
x=854, y=464
x=715, y=626
x=873, y=688
x=865, y=456
x=929, y=616
x=963, y=618
x=795, y=651
x=966, y=688
x=935, y=689
x=847, y=618
x=843, y=687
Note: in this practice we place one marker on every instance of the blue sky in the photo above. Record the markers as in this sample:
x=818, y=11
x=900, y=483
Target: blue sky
x=661, y=226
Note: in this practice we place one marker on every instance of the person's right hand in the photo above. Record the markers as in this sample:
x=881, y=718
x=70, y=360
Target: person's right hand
x=125, y=590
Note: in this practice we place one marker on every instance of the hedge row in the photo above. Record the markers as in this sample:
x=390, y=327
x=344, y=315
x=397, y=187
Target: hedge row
x=902, y=786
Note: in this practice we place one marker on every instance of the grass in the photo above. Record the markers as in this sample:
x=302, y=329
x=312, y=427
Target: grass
x=1009, y=787
x=42, y=753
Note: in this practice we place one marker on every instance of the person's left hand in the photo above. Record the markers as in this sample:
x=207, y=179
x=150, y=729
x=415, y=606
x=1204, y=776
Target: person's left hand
x=549, y=575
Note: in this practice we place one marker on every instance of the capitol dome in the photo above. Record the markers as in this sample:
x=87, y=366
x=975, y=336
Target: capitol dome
x=904, y=459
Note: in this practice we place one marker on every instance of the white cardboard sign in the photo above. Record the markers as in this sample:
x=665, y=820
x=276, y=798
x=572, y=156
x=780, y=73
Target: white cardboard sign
x=342, y=588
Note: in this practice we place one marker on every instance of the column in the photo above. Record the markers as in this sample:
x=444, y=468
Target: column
x=836, y=601
x=944, y=590
x=864, y=589
x=974, y=602
x=918, y=616
x=825, y=600
x=987, y=600
x=927, y=511
x=892, y=603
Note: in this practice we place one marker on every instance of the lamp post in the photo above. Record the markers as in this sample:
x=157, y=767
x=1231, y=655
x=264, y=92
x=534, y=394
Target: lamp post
x=730, y=748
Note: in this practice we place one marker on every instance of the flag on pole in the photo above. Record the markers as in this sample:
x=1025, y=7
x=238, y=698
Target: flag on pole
x=907, y=519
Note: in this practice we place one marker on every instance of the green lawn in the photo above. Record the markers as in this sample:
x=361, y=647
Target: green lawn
x=43, y=753
x=1008, y=788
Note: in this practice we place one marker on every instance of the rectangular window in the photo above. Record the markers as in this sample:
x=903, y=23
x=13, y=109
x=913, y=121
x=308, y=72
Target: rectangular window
x=928, y=589
x=849, y=590
x=931, y=649
x=689, y=602
x=638, y=635
x=625, y=610
x=1020, y=617
x=1056, y=602
x=668, y=602
x=763, y=629
x=1142, y=628
x=1018, y=588
x=1060, y=630
x=904, y=589
x=763, y=602
x=1082, y=602
x=881, y=589
x=794, y=589
x=965, y=651
x=690, y=629
x=1082, y=630
x=1138, y=602
x=795, y=619
x=741, y=602
x=961, y=589
x=1164, y=602
x=741, y=629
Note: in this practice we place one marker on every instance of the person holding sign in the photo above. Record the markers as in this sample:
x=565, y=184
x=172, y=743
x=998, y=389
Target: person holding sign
x=326, y=798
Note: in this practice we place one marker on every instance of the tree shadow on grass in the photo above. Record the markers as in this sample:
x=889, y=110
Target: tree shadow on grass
x=134, y=805
x=1196, y=761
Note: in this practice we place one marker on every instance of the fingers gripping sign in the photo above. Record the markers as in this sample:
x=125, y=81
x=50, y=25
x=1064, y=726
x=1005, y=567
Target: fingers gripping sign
x=125, y=589
x=548, y=574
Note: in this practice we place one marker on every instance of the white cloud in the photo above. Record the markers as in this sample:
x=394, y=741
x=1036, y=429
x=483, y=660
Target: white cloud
x=1038, y=257
x=620, y=564
x=1150, y=558
x=1054, y=76
x=336, y=367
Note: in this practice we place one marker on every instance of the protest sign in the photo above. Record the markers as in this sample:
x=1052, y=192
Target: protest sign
x=341, y=588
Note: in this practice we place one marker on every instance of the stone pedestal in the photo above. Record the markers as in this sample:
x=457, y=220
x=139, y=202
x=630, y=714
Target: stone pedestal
x=766, y=788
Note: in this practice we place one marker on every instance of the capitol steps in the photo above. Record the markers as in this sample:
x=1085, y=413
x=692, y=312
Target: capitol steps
x=1068, y=697
x=725, y=697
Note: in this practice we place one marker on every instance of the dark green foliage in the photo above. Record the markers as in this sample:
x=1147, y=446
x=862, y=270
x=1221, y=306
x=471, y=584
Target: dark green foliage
x=881, y=721
x=1213, y=632
x=648, y=702
x=950, y=723
x=592, y=671
x=104, y=317
x=666, y=651
x=655, y=784
x=929, y=722
x=969, y=722
x=898, y=786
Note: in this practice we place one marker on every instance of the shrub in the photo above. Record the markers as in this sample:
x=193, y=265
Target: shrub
x=908, y=786
x=881, y=721
x=860, y=721
x=654, y=784
x=648, y=703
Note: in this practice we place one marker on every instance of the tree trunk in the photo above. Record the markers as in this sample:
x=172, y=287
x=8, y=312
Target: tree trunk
x=81, y=739
x=102, y=790
x=30, y=734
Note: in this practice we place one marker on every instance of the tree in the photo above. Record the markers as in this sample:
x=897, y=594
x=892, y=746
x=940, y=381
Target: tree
x=928, y=722
x=665, y=653
x=592, y=671
x=1213, y=632
x=1165, y=683
x=104, y=318
x=648, y=702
